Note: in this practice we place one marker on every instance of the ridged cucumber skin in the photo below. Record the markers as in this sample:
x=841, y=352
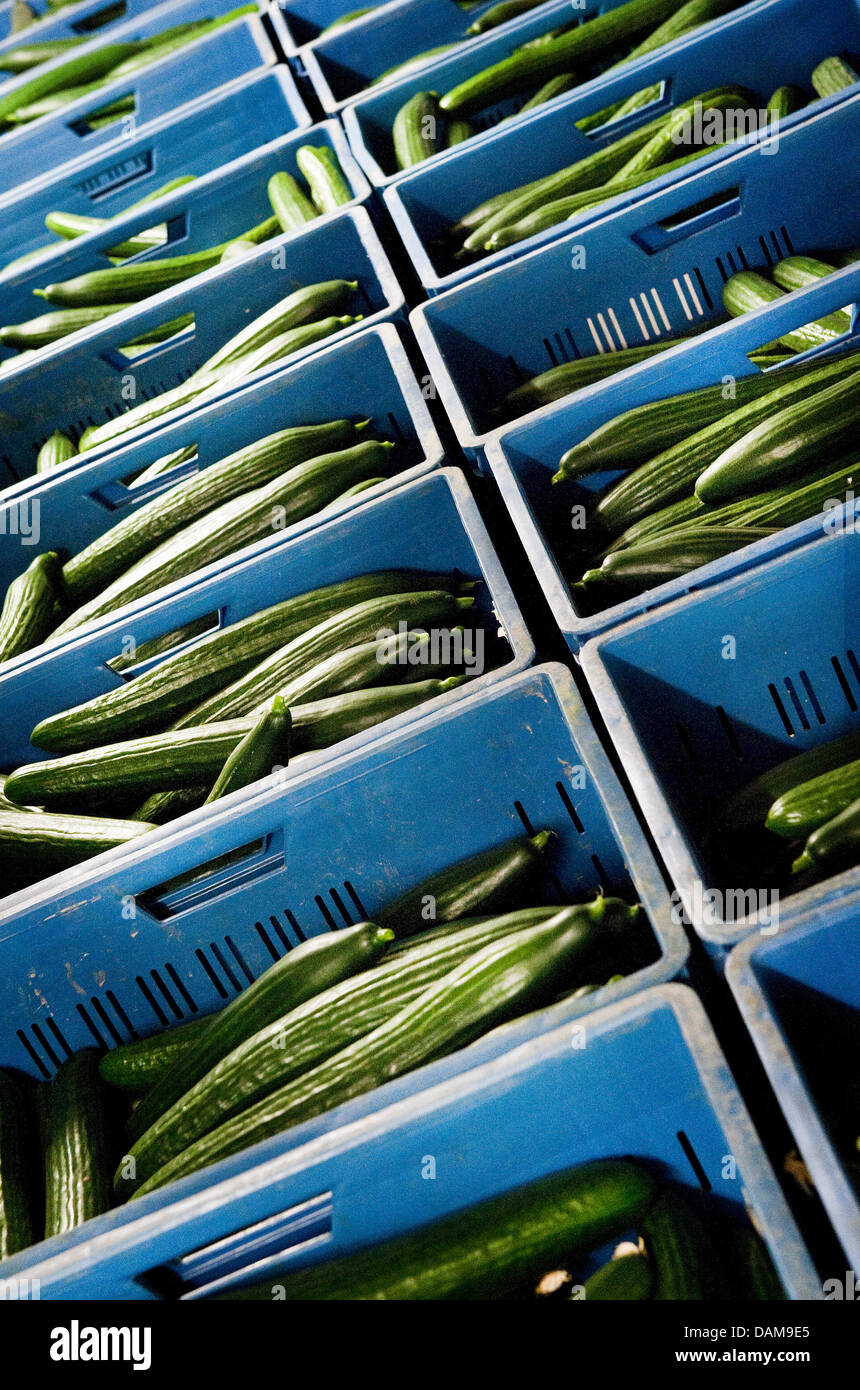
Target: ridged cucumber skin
x=71, y=225
x=291, y=206
x=500, y=981
x=44, y=843
x=110, y=554
x=639, y=433
x=304, y=305
x=182, y=758
x=651, y=156
x=497, y=1249
x=663, y=558
x=749, y=806
x=18, y=1150
x=836, y=844
x=477, y=884
x=136, y=1066
x=678, y=1244
x=77, y=1163
x=568, y=377
x=748, y=290
x=55, y=451
x=784, y=102
x=306, y=1036
x=513, y=74
x=796, y=272
x=456, y=132
x=833, y=75
x=784, y=446
x=156, y=697
x=267, y=743
x=31, y=607
x=320, y=166
x=309, y=969
x=500, y=14
x=810, y=804
x=50, y=328
x=86, y=68
x=352, y=625
x=161, y=807
x=128, y=284
x=415, y=130
x=31, y=55
x=670, y=474
x=628, y=1279
x=303, y=489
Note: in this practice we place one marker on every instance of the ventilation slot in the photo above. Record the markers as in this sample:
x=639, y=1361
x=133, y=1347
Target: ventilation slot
x=780, y=709
x=812, y=697
x=846, y=688
x=798, y=707
x=166, y=995
x=788, y=242
x=602, y=875
x=216, y=951
x=326, y=915
x=521, y=812
x=338, y=902
x=98, y=1037
x=152, y=1001
x=180, y=988
x=742, y=258
x=120, y=1013
x=266, y=940
x=359, y=905
x=687, y=745
x=694, y=1161
x=569, y=807
x=201, y=956
x=32, y=1054
x=728, y=730
x=239, y=959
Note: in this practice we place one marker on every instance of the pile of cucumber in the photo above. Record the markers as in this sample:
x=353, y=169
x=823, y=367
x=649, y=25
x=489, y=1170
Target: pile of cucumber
x=531, y=1243
x=338, y=1016
x=659, y=147
x=155, y=746
x=712, y=470
x=88, y=299
x=48, y=92
x=809, y=806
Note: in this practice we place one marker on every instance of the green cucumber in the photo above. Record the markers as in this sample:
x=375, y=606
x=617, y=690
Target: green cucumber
x=478, y=884
x=833, y=75
x=626, y=1278
x=111, y=553
x=290, y=204
x=569, y=377
x=320, y=166
x=304, y=1037
x=351, y=492
x=360, y=622
x=159, y=695
x=31, y=607
x=413, y=64
x=138, y=1065
x=456, y=132
x=70, y=225
x=265, y=745
x=669, y=136
x=18, y=1149
x=31, y=55
x=128, y=284
x=415, y=130
x=502, y=980
x=681, y=1252
x=747, y=291
x=86, y=68
x=834, y=845
x=77, y=1172
x=237, y=251
x=784, y=102
x=304, y=305
x=500, y=13
x=345, y=19
x=751, y=1266
x=659, y=523
x=494, y=1249
x=666, y=557
x=808, y=805
x=299, y=492
x=785, y=445
x=511, y=75
x=307, y=970
x=634, y=436
x=750, y=805
x=670, y=474
x=164, y=806
x=49, y=328
x=43, y=843
x=796, y=272
x=548, y=91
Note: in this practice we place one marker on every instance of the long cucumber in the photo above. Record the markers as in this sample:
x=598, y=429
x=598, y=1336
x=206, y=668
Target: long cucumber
x=811, y=804
x=18, y=1154
x=750, y=805
x=748, y=290
x=573, y=376
x=835, y=844
x=136, y=1066
x=321, y=168
x=31, y=607
x=41, y=842
x=266, y=744
x=664, y=558
x=77, y=1174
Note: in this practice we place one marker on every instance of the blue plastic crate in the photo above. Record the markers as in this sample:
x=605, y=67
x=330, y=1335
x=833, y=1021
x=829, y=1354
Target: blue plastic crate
x=761, y=47
x=524, y=457
x=645, y=273
x=297, y=22
x=177, y=79
x=85, y=383
x=800, y=998
x=431, y=523
x=368, y=376
x=695, y=717
x=204, y=136
x=89, y=19
x=214, y=209
x=353, y=1178
x=346, y=63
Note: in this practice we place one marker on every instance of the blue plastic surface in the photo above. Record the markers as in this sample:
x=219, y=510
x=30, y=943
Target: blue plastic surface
x=431, y=523
x=648, y=272
x=87, y=20
x=214, y=209
x=366, y=377
x=354, y=1177
x=43, y=145
x=346, y=63
x=84, y=383
x=800, y=998
x=524, y=458
x=767, y=44
x=297, y=22
x=710, y=691
x=202, y=137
